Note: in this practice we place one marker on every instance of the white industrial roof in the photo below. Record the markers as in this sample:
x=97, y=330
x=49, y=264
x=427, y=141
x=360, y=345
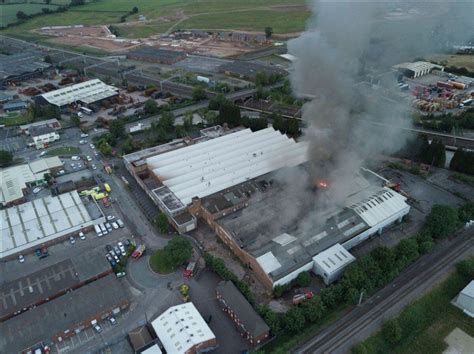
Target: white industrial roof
x=268, y=262
x=418, y=66
x=181, y=327
x=13, y=181
x=211, y=166
x=380, y=206
x=42, y=220
x=469, y=290
x=87, y=92
x=44, y=165
x=155, y=349
x=289, y=57
x=333, y=259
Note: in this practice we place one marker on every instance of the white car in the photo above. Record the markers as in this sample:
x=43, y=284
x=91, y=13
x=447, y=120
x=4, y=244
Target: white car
x=108, y=227
x=79, y=166
x=21, y=259
x=115, y=225
x=110, y=217
x=75, y=158
x=120, y=223
x=94, y=167
x=122, y=248
x=37, y=190
x=82, y=142
x=61, y=172
x=92, y=146
x=112, y=320
x=72, y=240
x=84, y=135
x=88, y=158
x=97, y=328
x=82, y=236
x=43, y=153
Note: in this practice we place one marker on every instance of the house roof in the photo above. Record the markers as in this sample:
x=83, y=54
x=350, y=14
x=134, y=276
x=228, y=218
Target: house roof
x=41, y=130
x=234, y=299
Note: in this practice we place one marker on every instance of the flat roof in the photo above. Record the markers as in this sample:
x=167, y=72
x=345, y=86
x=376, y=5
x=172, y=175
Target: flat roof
x=41, y=130
x=21, y=63
x=53, y=122
x=333, y=259
x=250, y=319
x=250, y=69
x=13, y=181
x=418, y=66
x=205, y=168
x=181, y=327
x=87, y=92
x=157, y=53
x=41, y=220
x=43, y=322
x=43, y=165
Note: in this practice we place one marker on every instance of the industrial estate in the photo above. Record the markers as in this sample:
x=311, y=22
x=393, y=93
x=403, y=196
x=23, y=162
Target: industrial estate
x=226, y=190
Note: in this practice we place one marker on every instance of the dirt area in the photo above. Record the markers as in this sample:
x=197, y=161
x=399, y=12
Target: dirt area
x=459, y=342
x=63, y=31
x=105, y=44
x=222, y=49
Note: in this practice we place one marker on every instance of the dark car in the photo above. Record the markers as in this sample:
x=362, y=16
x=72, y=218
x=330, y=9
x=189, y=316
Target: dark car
x=126, y=243
x=108, y=248
x=117, y=251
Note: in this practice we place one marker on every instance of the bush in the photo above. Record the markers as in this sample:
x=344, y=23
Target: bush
x=359, y=348
x=442, y=221
x=303, y=279
x=466, y=268
x=392, y=331
x=466, y=212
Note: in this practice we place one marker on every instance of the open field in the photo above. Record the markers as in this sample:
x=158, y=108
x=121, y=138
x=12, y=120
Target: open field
x=426, y=333
x=66, y=150
x=15, y=119
x=252, y=15
x=457, y=60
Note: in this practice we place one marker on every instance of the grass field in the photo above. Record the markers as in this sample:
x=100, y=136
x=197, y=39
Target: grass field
x=14, y=120
x=252, y=15
x=159, y=264
x=66, y=150
x=427, y=322
x=457, y=60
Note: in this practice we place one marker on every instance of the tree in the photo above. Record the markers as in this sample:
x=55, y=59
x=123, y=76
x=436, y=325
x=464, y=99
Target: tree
x=21, y=15
x=268, y=32
x=75, y=120
x=151, y=107
x=199, y=93
x=217, y=101
x=392, y=332
x=261, y=79
x=48, y=178
x=162, y=222
x=46, y=10
x=466, y=268
x=303, y=279
x=47, y=2
x=293, y=127
x=6, y=157
x=134, y=10
x=313, y=309
x=117, y=129
x=439, y=153
x=359, y=348
x=77, y=2
x=167, y=122
x=294, y=320
x=462, y=161
x=178, y=250
x=105, y=149
x=48, y=59
x=229, y=113
x=406, y=252
x=442, y=221
x=188, y=121
x=466, y=212
x=279, y=123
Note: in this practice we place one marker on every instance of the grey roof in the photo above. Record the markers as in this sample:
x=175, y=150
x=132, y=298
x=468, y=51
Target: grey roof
x=69, y=310
x=250, y=69
x=15, y=104
x=21, y=63
x=140, y=337
x=41, y=130
x=234, y=299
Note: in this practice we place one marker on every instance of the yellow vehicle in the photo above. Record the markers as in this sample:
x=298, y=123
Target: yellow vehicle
x=107, y=187
x=99, y=196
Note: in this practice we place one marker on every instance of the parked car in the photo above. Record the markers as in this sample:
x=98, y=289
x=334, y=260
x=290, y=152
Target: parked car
x=110, y=217
x=21, y=259
x=84, y=135
x=115, y=225
x=92, y=146
x=121, y=274
x=108, y=226
x=112, y=320
x=43, y=153
x=42, y=252
x=108, y=248
x=122, y=249
x=82, y=236
x=120, y=223
x=94, y=167
x=126, y=243
x=72, y=240
x=88, y=158
x=61, y=172
x=117, y=250
x=75, y=158
x=82, y=142
x=37, y=190
x=97, y=328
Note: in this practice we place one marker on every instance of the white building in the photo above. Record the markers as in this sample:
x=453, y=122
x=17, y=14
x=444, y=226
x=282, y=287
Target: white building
x=85, y=93
x=330, y=263
x=181, y=329
x=27, y=226
x=42, y=136
x=465, y=300
x=418, y=68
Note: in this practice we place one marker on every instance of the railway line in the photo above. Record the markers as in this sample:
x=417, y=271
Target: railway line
x=362, y=321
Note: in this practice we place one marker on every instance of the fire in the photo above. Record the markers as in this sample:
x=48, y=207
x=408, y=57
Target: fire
x=322, y=184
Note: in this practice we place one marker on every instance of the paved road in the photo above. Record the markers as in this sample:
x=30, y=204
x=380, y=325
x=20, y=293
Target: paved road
x=363, y=321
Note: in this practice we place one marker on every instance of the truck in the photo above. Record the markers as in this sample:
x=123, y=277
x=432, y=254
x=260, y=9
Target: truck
x=136, y=128
x=138, y=252
x=189, y=271
x=299, y=298
x=467, y=102
x=99, y=196
x=443, y=84
x=98, y=231
x=107, y=188
x=458, y=85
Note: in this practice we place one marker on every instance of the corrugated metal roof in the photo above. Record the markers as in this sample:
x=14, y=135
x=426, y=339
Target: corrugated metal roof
x=333, y=259
x=86, y=92
x=217, y=164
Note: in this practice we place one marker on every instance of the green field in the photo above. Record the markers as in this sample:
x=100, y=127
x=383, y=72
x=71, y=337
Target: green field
x=66, y=150
x=14, y=119
x=252, y=15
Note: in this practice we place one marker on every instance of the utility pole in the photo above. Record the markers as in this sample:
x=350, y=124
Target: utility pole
x=360, y=297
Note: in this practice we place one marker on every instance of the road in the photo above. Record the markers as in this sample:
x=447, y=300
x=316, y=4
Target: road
x=420, y=277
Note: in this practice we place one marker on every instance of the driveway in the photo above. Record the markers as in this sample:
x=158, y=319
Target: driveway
x=143, y=277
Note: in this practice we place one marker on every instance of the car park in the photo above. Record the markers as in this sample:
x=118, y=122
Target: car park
x=72, y=240
x=110, y=217
x=75, y=158
x=82, y=236
x=120, y=223
x=115, y=225
x=112, y=320
x=21, y=258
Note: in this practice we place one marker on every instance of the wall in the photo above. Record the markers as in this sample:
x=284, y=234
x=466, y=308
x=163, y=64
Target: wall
x=287, y=278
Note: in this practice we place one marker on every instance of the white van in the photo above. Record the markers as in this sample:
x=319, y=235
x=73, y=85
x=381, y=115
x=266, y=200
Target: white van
x=98, y=231
x=104, y=229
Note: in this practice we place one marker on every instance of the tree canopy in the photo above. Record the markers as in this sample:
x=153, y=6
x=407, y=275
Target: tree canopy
x=199, y=93
x=178, y=250
x=6, y=157
x=442, y=221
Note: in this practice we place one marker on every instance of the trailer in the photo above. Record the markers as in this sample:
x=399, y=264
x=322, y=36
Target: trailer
x=443, y=84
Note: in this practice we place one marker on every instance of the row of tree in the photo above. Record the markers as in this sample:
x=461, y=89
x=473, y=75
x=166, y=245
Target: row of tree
x=462, y=161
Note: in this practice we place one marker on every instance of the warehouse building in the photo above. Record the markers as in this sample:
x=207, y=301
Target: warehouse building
x=43, y=221
x=52, y=123
x=417, y=69
x=157, y=55
x=84, y=93
x=465, y=300
x=330, y=263
x=248, y=70
x=16, y=180
x=21, y=66
x=182, y=330
x=42, y=136
x=15, y=106
x=251, y=326
x=49, y=283
x=65, y=316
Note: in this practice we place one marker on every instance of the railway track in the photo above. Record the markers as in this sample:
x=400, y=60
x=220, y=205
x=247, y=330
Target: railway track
x=343, y=334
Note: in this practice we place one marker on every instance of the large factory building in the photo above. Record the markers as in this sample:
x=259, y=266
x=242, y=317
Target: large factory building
x=231, y=182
